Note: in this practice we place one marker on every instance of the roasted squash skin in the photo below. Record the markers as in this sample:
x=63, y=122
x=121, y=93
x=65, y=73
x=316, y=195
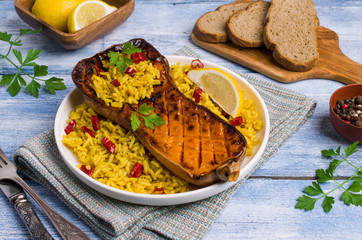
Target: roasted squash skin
x=194, y=143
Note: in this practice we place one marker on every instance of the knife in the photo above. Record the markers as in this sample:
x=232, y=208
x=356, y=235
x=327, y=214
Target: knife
x=17, y=196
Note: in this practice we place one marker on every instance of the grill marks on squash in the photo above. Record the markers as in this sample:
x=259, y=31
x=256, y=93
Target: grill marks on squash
x=191, y=136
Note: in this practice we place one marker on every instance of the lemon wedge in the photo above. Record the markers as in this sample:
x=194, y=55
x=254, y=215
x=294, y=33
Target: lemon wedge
x=221, y=87
x=88, y=12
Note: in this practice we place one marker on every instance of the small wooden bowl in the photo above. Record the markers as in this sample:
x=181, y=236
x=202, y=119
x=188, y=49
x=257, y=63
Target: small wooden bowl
x=346, y=130
x=84, y=36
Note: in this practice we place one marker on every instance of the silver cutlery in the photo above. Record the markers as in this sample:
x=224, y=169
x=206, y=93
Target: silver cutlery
x=17, y=197
x=65, y=228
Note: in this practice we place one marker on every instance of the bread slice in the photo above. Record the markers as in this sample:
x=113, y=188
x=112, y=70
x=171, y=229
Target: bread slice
x=211, y=27
x=291, y=32
x=245, y=28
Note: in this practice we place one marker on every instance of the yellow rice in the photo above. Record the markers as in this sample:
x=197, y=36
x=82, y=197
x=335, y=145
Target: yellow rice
x=131, y=89
x=114, y=169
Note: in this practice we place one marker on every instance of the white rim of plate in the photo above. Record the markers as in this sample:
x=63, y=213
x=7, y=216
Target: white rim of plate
x=166, y=199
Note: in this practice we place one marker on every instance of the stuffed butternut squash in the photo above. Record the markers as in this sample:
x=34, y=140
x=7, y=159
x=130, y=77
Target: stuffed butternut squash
x=192, y=142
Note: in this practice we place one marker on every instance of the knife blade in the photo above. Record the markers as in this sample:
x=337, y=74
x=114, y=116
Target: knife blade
x=17, y=197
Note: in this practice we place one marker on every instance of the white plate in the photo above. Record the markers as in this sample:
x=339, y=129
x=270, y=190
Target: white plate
x=74, y=98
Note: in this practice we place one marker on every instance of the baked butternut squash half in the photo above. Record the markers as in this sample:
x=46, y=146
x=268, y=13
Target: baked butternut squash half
x=193, y=143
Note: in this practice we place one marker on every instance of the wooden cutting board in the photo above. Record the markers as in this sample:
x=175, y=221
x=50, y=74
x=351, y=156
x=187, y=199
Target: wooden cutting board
x=332, y=63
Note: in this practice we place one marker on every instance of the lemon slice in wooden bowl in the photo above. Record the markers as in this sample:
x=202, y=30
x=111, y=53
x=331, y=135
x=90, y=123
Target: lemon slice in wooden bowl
x=88, y=12
x=221, y=87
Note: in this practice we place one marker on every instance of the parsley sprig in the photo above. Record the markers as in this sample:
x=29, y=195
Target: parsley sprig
x=145, y=112
x=15, y=81
x=351, y=194
x=122, y=61
x=119, y=59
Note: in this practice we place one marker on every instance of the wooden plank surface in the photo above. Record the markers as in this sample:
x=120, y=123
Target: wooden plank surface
x=263, y=208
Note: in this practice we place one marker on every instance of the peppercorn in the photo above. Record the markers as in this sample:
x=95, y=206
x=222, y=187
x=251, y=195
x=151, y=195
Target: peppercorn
x=350, y=110
x=358, y=100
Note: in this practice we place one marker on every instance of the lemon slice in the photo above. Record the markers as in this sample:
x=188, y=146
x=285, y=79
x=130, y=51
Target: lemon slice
x=221, y=87
x=88, y=12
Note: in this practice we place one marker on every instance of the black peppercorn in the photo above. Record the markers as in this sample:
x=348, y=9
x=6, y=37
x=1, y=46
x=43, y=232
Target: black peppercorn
x=350, y=110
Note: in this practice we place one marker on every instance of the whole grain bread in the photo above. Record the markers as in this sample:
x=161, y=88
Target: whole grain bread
x=211, y=27
x=291, y=32
x=245, y=28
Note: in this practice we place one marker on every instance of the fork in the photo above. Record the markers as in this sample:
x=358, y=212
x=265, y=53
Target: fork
x=65, y=228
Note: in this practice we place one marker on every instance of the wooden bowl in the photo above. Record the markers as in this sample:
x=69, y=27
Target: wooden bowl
x=346, y=130
x=84, y=36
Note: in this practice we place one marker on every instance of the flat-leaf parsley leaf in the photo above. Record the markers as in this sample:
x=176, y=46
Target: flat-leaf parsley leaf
x=119, y=58
x=15, y=81
x=145, y=112
x=350, y=195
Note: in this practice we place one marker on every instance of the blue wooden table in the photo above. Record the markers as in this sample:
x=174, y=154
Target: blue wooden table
x=263, y=208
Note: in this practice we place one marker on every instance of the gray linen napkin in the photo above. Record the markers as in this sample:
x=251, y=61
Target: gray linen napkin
x=113, y=219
